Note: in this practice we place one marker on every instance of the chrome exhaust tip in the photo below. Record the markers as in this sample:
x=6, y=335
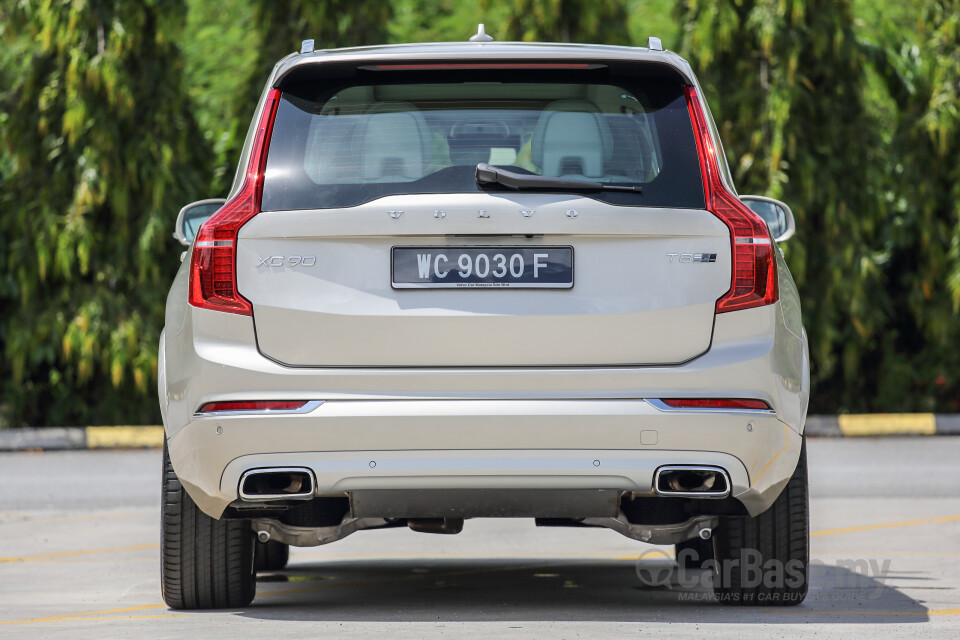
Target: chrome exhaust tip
x=286, y=483
x=689, y=481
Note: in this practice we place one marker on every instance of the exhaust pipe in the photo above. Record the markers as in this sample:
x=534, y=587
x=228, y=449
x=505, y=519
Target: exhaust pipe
x=448, y=526
x=287, y=483
x=687, y=481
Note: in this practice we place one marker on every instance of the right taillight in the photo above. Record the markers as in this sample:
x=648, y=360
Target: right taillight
x=754, y=279
x=213, y=269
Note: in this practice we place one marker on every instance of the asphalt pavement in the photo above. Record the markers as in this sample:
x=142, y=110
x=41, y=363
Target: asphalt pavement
x=79, y=558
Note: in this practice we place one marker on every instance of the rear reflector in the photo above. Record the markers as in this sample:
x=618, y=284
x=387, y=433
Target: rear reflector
x=256, y=405
x=715, y=403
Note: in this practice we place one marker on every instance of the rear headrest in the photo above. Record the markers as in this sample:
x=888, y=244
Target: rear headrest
x=572, y=137
x=394, y=144
x=389, y=142
x=331, y=153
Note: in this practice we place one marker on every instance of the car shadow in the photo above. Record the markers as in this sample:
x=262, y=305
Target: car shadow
x=437, y=590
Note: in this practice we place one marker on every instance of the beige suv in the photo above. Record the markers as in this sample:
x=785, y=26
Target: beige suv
x=482, y=279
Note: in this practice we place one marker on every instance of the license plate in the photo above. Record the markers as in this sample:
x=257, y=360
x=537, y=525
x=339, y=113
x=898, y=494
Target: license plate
x=482, y=267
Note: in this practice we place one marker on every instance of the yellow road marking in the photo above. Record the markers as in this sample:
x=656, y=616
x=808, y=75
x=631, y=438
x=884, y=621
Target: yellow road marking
x=124, y=437
x=18, y=518
x=163, y=615
x=932, y=612
x=67, y=554
x=874, y=424
x=79, y=615
x=884, y=525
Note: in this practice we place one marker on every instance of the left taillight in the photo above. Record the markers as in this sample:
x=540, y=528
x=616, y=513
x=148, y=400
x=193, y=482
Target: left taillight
x=213, y=269
x=753, y=282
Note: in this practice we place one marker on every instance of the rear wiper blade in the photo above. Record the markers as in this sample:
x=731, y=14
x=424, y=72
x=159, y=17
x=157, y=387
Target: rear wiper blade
x=489, y=174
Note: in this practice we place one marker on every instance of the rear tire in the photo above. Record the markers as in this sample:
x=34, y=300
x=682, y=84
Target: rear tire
x=271, y=556
x=766, y=560
x=204, y=563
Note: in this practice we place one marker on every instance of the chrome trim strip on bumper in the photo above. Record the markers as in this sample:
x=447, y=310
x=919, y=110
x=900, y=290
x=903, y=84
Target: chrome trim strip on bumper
x=656, y=403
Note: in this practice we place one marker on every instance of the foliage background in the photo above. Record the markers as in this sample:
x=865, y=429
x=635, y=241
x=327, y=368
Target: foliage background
x=114, y=114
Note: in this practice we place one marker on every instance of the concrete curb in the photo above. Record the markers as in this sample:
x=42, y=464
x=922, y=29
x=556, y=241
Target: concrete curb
x=151, y=437
x=884, y=424
x=64, y=438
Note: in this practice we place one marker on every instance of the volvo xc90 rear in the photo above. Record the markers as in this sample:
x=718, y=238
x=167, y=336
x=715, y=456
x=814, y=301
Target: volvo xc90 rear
x=457, y=281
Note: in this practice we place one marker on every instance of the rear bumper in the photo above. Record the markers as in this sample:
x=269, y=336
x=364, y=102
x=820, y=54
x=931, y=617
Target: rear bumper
x=504, y=444
x=483, y=428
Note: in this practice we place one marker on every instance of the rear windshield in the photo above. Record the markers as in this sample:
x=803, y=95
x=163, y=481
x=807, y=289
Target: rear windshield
x=343, y=143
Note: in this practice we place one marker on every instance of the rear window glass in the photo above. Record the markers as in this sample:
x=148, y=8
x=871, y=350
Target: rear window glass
x=340, y=144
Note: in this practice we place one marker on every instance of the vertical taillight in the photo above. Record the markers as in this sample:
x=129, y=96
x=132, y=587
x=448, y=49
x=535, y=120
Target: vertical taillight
x=754, y=278
x=213, y=270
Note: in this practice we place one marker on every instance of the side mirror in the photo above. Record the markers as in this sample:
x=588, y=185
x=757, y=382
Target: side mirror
x=192, y=216
x=778, y=215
